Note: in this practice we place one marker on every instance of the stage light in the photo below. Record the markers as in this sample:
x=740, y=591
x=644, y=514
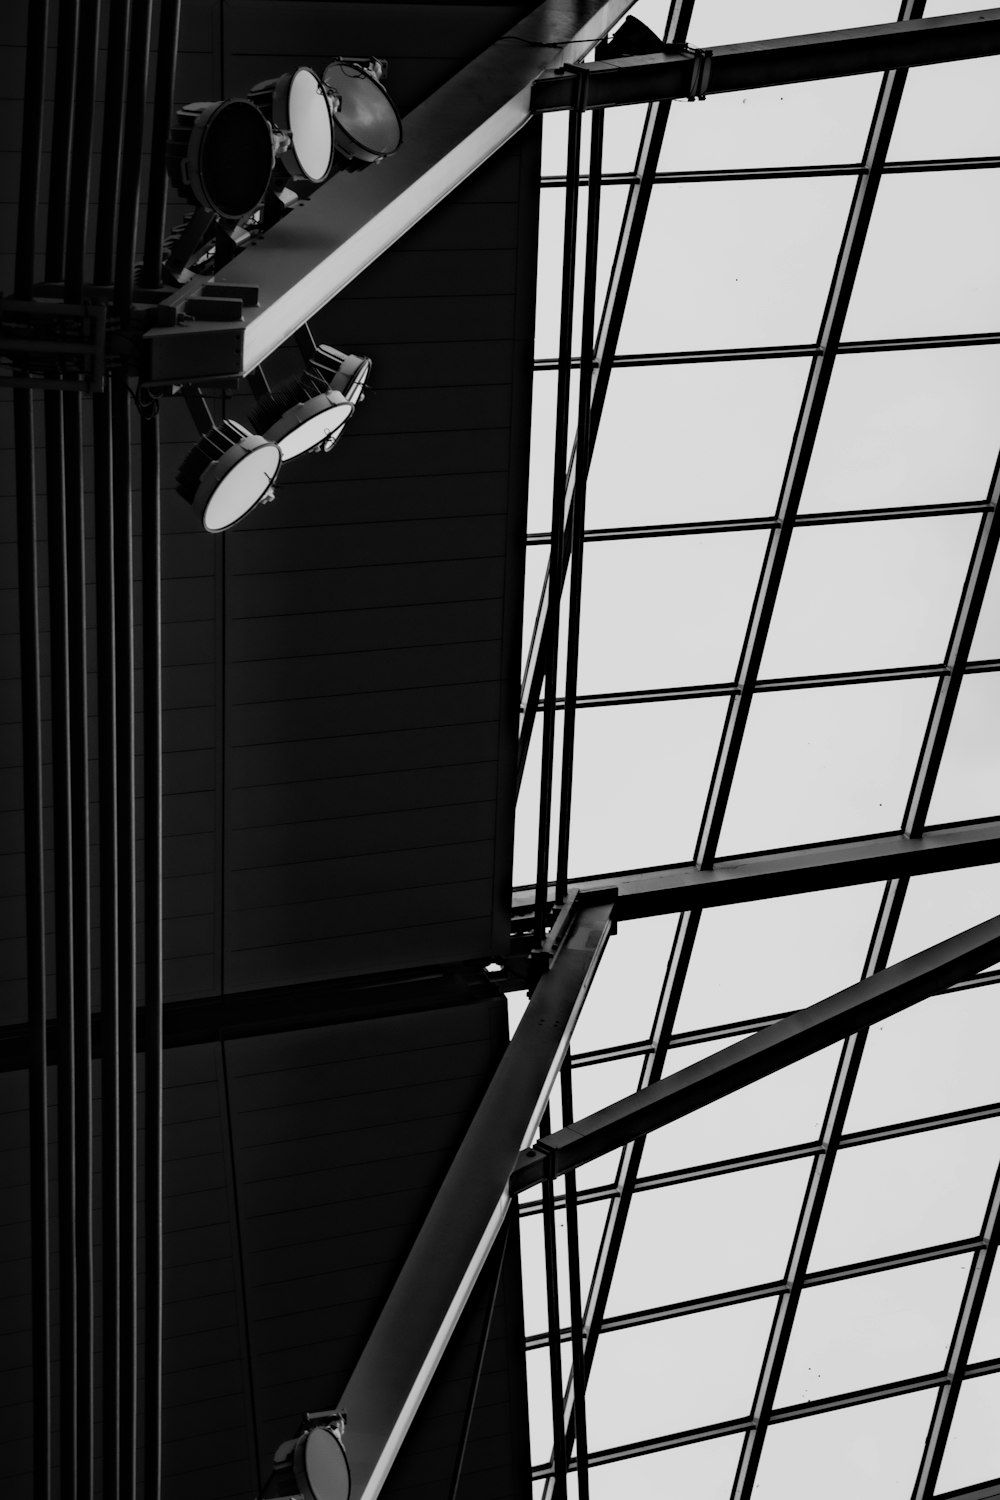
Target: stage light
x=300, y=110
x=366, y=126
x=228, y=472
x=313, y=1466
x=221, y=155
x=301, y=416
x=346, y=373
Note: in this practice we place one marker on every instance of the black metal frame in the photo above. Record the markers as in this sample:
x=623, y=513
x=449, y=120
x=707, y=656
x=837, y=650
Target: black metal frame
x=709, y=881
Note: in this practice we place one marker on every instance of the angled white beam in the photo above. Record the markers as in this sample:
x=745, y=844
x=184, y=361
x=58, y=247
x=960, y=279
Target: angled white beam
x=315, y=252
x=420, y=1314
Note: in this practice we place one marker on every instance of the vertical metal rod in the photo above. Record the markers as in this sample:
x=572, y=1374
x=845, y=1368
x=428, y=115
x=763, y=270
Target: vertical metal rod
x=163, y=113
x=81, y=948
x=34, y=888
x=556, y=569
x=64, y=975
x=125, y=727
x=131, y=169
x=607, y=343
x=108, y=800
x=67, y=40
x=112, y=139
x=578, y=508
x=153, y=929
x=78, y=198
x=579, y=1386
x=499, y=1252
x=32, y=131
x=559, y=1456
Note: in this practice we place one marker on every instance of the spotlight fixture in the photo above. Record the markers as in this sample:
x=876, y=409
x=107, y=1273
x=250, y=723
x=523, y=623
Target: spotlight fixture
x=367, y=125
x=221, y=155
x=313, y=1465
x=299, y=109
x=228, y=472
x=302, y=415
x=346, y=373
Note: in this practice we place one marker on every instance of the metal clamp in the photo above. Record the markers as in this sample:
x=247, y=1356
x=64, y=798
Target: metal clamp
x=701, y=68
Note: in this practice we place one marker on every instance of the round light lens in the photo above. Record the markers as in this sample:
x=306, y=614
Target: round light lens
x=245, y=483
x=316, y=423
x=230, y=158
x=366, y=126
x=322, y=1463
x=310, y=124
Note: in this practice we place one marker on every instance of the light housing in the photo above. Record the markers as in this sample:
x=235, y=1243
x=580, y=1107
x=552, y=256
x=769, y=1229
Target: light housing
x=300, y=109
x=227, y=474
x=220, y=155
x=313, y=1465
x=301, y=416
x=366, y=127
x=346, y=373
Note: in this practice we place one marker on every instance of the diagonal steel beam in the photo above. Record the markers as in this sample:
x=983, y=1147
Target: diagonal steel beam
x=908, y=43
x=417, y=1321
x=789, y=872
x=798, y=1036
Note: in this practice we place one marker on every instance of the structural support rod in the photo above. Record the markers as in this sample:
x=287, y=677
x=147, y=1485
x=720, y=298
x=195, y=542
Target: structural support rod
x=798, y=1036
x=789, y=872
x=390, y=1378
x=781, y=60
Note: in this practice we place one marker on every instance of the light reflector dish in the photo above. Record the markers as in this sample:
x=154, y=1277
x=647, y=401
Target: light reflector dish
x=367, y=126
x=227, y=474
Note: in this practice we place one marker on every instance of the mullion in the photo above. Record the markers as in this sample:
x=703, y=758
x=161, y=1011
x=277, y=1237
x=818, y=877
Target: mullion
x=773, y=174
x=961, y=1346
x=790, y=351
x=976, y=1245
x=843, y=1402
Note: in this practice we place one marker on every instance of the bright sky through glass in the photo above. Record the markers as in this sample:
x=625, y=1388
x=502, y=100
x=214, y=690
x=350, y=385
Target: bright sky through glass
x=733, y=1220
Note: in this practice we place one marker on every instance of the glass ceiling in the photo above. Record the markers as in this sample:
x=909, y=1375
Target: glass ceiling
x=776, y=1285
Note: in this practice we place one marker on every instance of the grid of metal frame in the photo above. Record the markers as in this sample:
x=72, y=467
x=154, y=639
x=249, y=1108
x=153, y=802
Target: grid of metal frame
x=578, y=1317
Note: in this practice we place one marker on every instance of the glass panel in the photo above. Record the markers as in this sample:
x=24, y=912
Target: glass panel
x=621, y=1002
x=667, y=1377
x=661, y=427
x=875, y=594
x=699, y=285
x=640, y=599
x=986, y=642
x=622, y=133
x=548, y=294
x=906, y=427
x=973, y=1451
x=948, y=110
x=868, y=1452
x=766, y=957
x=937, y=906
x=901, y=1194
x=528, y=797
x=936, y=1057
x=843, y=769
x=703, y=1471
x=591, y=1217
x=871, y=1329
x=711, y=1235
x=986, y=1340
x=802, y=124
x=717, y=23
x=967, y=784
x=594, y=1087
x=543, y=437
x=640, y=776
x=784, y=1110
x=928, y=265
x=540, y=1400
